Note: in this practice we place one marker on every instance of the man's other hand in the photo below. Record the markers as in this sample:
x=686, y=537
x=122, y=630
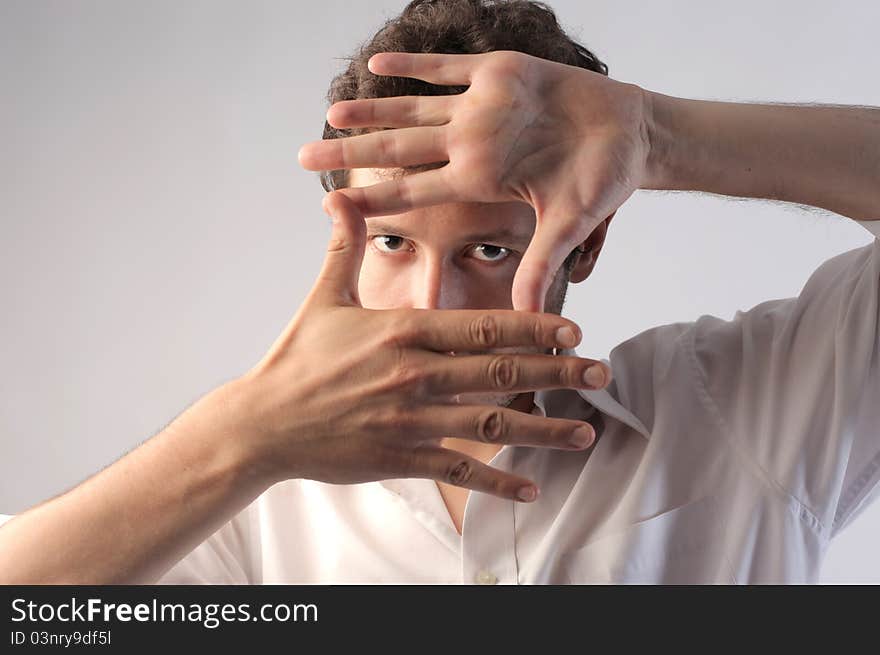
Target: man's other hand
x=570, y=142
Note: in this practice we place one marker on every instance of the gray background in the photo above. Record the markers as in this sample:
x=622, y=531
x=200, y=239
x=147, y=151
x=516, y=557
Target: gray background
x=158, y=233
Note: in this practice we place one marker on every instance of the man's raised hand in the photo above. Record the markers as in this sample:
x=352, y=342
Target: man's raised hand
x=571, y=143
x=347, y=394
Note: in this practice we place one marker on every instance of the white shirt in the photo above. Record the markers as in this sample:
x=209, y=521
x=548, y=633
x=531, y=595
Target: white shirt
x=726, y=452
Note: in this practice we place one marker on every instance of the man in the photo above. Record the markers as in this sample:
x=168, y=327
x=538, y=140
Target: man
x=407, y=426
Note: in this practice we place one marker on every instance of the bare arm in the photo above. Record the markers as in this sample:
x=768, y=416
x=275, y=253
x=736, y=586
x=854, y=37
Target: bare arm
x=131, y=522
x=825, y=156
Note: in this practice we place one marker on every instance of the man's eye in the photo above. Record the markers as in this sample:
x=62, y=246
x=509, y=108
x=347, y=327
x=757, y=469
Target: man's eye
x=488, y=253
x=388, y=243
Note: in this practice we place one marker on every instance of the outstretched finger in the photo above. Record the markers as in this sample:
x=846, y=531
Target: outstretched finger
x=407, y=146
x=403, y=194
x=443, y=69
x=456, y=468
x=512, y=372
x=337, y=283
x=500, y=425
x=549, y=247
x=398, y=111
x=475, y=330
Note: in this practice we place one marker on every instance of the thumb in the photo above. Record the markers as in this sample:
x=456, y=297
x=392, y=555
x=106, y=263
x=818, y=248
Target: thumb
x=547, y=251
x=337, y=282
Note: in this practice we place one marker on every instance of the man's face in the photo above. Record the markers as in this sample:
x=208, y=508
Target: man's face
x=450, y=256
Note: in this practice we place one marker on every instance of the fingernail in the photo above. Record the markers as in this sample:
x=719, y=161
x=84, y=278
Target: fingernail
x=594, y=376
x=565, y=337
x=581, y=437
x=526, y=494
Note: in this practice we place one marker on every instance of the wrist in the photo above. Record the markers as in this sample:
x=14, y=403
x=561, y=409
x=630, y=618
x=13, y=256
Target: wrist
x=658, y=133
x=670, y=152
x=227, y=413
x=683, y=136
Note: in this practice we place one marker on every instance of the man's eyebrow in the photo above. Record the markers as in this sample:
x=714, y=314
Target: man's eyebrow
x=488, y=236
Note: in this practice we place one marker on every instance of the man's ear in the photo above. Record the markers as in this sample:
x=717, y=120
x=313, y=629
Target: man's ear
x=589, y=252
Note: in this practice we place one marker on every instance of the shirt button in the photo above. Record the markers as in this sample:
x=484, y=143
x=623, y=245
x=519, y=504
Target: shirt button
x=486, y=577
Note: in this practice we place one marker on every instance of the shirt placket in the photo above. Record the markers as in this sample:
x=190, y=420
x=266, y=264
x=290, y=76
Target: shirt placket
x=488, y=552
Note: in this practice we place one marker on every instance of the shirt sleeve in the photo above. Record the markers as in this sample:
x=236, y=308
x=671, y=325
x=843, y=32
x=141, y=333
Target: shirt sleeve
x=795, y=382
x=226, y=557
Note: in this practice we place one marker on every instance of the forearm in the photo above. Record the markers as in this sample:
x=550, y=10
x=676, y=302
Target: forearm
x=134, y=520
x=823, y=156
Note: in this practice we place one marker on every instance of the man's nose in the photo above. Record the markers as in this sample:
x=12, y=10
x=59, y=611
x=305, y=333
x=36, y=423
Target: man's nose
x=437, y=286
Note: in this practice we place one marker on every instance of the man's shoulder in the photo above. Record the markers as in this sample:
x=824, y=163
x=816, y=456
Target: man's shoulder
x=654, y=346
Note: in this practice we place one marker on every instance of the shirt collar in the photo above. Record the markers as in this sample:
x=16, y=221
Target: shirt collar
x=601, y=399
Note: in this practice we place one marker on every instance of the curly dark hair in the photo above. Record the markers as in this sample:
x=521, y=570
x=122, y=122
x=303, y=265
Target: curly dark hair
x=451, y=27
